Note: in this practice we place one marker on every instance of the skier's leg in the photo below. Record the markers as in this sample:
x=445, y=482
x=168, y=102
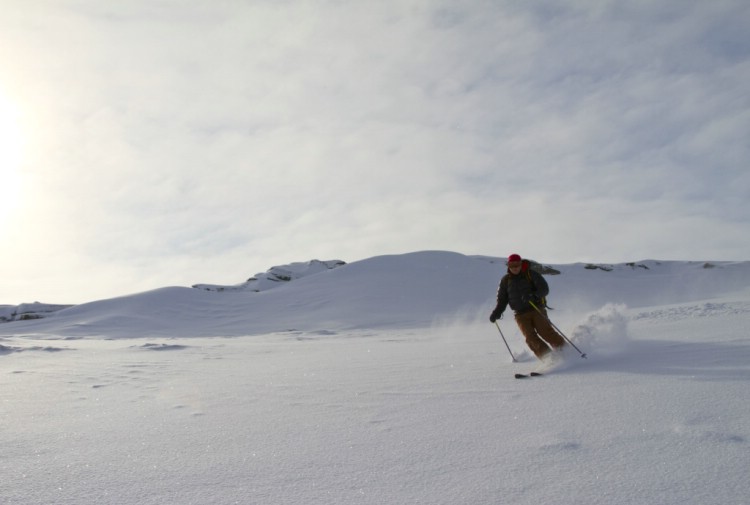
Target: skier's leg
x=525, y=323
x=547, y=332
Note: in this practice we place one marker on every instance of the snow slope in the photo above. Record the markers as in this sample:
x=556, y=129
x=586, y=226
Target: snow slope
x=409, y=290
x=381, y=381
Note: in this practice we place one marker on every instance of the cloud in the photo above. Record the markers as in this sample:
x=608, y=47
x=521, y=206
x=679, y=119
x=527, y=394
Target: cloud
x=206, y=142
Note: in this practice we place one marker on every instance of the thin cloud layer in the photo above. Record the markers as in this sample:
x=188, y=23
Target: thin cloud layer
x=180, y=143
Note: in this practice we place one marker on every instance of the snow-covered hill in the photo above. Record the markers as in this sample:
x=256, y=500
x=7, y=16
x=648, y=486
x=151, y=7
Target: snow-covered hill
x=382, y=381
x=398, y=291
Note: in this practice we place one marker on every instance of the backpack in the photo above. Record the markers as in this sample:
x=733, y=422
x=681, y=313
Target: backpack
x=527, y=269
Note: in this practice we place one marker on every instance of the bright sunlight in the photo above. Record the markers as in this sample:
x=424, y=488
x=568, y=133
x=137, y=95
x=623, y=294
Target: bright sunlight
x=11, y=151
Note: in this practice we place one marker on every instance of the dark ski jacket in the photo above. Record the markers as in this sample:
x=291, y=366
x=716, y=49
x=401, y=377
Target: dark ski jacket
x=514, y=289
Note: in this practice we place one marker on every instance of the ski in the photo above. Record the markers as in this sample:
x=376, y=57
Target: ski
x=525, y=376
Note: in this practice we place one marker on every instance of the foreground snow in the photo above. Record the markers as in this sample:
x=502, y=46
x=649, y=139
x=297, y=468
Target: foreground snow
x=424, y=414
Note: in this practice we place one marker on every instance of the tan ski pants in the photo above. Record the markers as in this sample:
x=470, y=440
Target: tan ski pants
x=540, y=335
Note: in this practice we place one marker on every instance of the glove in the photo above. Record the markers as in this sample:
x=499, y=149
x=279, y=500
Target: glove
x=496, y=314
x=531, y=298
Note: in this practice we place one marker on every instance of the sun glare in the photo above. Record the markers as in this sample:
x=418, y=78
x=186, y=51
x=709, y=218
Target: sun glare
x=11, y=150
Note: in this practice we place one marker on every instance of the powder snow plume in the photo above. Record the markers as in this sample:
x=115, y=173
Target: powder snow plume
x=605, y=331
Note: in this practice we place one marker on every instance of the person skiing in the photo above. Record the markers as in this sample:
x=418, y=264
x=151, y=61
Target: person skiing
x=521, y=287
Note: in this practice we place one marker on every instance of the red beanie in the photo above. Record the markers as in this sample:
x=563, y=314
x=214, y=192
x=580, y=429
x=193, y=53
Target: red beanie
x=514, y=257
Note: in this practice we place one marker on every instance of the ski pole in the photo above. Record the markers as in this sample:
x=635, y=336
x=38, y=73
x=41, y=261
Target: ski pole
x=583, y=355
x=506, y=342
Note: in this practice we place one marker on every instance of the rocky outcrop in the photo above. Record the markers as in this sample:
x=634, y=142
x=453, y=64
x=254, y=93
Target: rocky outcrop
x=28, y=311
x=276, y=276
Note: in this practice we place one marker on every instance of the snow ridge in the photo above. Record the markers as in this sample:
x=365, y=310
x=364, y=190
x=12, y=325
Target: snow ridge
x=276, y=276
x=417, y=289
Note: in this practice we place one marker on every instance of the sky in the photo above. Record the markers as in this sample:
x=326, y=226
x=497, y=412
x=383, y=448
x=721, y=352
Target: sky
x=154, y=143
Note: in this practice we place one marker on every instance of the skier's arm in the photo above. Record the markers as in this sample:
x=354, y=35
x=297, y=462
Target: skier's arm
x=502, y=296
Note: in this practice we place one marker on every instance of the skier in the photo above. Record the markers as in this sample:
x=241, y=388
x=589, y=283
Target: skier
x=519, y=288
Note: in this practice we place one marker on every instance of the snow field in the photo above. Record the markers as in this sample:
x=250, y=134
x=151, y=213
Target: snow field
x=98, y=406
x=376, y=417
